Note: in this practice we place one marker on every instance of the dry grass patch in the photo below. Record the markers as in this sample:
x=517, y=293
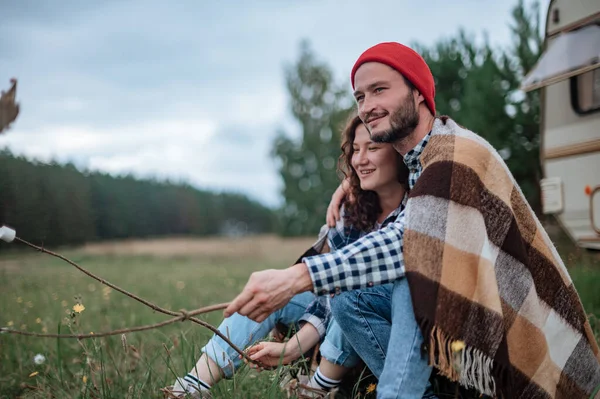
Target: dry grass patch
x=269, y=248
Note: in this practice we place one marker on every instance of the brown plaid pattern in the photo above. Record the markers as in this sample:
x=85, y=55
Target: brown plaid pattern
x=483, y=272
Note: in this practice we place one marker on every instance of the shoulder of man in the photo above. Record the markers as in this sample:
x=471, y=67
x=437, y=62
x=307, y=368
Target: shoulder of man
x=450, y=141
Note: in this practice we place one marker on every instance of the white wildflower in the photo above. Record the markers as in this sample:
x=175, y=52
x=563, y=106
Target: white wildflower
x=39, y=359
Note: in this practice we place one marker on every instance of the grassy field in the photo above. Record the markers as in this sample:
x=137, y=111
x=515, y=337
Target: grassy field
x=38, y=294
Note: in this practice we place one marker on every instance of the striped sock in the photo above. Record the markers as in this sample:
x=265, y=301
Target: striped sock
x=319, y=381
x=196, y=383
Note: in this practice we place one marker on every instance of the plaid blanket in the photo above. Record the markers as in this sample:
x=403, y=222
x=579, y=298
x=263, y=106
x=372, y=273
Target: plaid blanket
x=494, y=301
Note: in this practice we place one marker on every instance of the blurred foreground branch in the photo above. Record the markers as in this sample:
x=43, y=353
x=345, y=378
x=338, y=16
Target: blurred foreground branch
x=9, y=108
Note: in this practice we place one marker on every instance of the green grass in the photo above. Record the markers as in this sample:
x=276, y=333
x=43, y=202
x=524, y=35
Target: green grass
x=38, y=293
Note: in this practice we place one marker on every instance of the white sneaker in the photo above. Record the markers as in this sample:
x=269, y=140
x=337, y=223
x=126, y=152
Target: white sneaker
x=300, y=388
x=182, y=389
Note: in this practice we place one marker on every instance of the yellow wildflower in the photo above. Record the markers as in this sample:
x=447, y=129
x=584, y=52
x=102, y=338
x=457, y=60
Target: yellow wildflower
x=457, y=346
x=34, y=374
x=44, y=330
x=371, y=388
x=10, y=323
x=38, y=320
x=19, y=299
x=78, y=308
x=84, y=378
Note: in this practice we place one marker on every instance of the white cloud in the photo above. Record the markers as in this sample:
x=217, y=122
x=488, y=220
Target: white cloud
x=62, y=141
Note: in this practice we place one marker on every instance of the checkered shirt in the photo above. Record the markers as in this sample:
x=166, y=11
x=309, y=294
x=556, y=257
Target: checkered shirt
x=411, y=159
x=373, y=259
x=318, y=313
x=340, y=236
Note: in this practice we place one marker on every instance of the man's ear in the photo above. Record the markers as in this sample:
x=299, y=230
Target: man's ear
x=418, y=96
x=420, y=99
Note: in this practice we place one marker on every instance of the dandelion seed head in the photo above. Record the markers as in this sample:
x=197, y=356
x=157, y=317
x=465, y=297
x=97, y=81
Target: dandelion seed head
x=39, y=359
x=19, y=299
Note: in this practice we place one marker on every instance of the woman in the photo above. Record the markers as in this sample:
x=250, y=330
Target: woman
x=378, y=178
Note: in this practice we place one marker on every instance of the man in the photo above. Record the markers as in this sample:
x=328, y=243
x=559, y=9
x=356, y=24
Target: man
x=490, y=294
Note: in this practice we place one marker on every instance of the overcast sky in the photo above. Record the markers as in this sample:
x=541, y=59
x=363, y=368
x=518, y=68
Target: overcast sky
x=193, y=90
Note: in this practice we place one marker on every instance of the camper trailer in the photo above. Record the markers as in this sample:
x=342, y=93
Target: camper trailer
x=568, y=76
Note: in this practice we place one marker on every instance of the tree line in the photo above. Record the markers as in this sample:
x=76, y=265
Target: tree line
x=58, y=204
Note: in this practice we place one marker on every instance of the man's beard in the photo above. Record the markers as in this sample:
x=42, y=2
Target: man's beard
x=402, y=123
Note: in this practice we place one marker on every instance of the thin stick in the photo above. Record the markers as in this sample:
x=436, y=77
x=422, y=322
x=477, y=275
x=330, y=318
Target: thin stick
x=182, y=315
x=93, y=335
x=101, y=280
x=120, y=331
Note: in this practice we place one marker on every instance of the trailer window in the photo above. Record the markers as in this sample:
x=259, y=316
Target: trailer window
x=569, y=54
x=585, y=92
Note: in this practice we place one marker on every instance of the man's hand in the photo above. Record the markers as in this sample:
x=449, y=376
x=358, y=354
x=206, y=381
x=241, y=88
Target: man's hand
x=269, y=290
x=333, y=210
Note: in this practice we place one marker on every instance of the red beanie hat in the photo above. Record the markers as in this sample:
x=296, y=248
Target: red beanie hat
x=406, y=61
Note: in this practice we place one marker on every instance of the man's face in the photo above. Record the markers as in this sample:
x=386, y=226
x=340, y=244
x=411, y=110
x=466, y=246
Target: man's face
x=385, y=103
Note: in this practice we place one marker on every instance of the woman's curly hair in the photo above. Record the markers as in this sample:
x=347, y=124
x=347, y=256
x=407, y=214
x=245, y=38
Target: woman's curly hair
x=362, y=207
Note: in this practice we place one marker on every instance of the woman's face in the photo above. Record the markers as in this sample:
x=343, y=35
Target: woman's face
x=376, y=164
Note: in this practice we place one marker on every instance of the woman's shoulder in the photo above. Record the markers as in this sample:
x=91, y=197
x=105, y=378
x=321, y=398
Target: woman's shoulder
x=336, y=236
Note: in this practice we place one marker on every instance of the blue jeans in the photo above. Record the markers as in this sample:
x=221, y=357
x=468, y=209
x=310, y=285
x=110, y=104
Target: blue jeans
x=244, y=332
x=336, y=348
x=380, y=324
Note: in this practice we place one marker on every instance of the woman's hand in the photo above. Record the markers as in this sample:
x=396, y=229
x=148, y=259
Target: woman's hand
x=333, y=210
x=272, y=353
